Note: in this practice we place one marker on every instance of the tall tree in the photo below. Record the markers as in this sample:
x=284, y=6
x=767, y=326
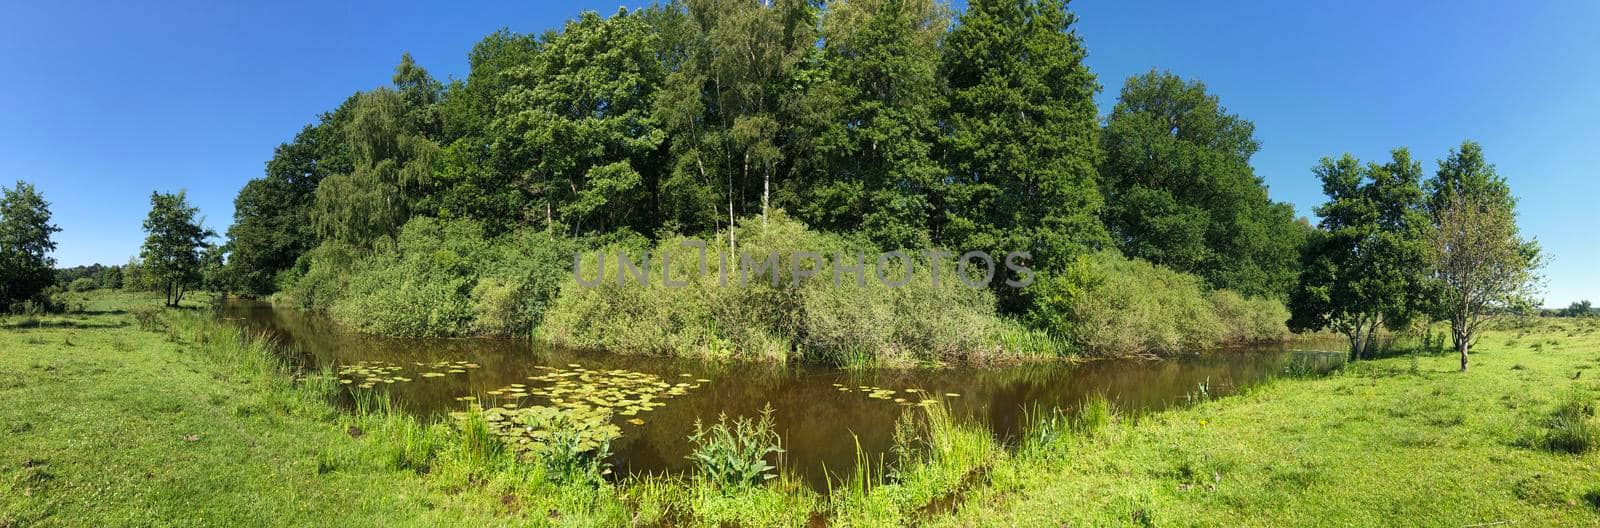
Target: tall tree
x=173, y=238
x=1180, y=191
x=1367, y=268
x=577, y=126
x=26, y=268
x=722, y=106
x=1021, y=134
x=873, y=121
x=272, y=224
x=1480, y=261
x=391, y=139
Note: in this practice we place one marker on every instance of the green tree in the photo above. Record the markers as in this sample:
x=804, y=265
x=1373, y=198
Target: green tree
x=26, y=268
x=1180, y=191
x=1367, y=267
x=579, y=128
x=111, y=278
x=1020, y=138
x=736, y=63
x=394, y=157
x=272, y=224
x=173, y=238
x=873, y=122
x=1481, y=264
x=1582, y=308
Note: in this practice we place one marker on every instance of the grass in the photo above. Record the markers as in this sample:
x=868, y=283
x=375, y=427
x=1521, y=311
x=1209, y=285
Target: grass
x=196, y=423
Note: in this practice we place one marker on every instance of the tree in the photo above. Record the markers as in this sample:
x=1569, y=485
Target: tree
x=173, y=238
x=872, y=122
x=1581, y=308
x=1367, y=266
x=272, y=224
x=1480, y=261
x=394, y=154
x=1180, y=191
x=111, y=278
x=25, y=266
x=723, y=106
x=579, y=131
x=1020, y=138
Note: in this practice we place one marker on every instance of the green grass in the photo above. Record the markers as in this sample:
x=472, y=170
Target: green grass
x=195, y=423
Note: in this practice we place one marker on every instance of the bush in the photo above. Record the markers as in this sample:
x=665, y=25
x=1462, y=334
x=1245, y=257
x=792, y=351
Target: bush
x=1252, y=320
x=438, y=278
x=814, y=319
x=1111, y=305
x=82, y=284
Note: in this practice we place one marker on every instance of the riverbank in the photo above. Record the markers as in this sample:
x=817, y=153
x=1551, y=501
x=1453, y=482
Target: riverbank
x=188, y=421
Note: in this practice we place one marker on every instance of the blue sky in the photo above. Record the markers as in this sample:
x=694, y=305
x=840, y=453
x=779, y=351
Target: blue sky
x=102, y=104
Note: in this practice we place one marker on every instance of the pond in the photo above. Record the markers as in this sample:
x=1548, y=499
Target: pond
x=818, y=411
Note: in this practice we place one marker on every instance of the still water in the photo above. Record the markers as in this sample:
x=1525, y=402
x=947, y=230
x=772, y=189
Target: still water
x=818, y=421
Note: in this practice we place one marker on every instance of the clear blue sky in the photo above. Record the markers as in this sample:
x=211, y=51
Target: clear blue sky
x=103, y=103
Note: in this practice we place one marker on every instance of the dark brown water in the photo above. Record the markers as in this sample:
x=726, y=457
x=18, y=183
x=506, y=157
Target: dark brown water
x=818, y=422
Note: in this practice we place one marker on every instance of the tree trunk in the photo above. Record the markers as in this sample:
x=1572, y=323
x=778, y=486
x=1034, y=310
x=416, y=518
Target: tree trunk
x=766, y=194
x=1461, y=346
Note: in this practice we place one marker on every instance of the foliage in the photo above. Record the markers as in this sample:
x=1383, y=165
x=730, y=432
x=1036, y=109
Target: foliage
x=1367, y=267
x=578, y=121
x=1112, y=305
x=1020, y=135
x=171, y=253
x=870, y=123
x=733, y=453
x=1250, y=320
x=772, y=315
x=82, y=284
x=442, y=278
x=1480, y=263
x=1180, y=191
x=25, y=244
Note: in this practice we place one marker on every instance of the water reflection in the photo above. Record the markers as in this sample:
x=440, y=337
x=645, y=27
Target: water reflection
x=816, y=419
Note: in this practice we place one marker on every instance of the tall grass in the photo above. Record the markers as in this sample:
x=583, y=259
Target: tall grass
x=1571, y=428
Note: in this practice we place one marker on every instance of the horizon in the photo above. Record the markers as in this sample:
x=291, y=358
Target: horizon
x=209, y=102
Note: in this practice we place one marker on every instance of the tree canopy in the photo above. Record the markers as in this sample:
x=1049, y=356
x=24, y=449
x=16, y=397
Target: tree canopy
x=171, y=253
x=26, y=268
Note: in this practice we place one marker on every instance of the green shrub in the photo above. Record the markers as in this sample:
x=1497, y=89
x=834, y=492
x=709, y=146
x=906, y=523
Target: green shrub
x=845, y=323
x=1252, y=320
x=733, y=453
x=438, y=278
x=147, y=317
x=83, y=284
x=1112, y=305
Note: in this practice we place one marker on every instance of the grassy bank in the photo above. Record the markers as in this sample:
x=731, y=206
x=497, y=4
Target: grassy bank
x=191, y=422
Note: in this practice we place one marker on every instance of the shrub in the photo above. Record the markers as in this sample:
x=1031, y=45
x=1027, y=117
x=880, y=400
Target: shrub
x=733, y=454
x=438, y=278
x=148, y=318
x=841, y=324
x=1112, y=305
x=1252, y=320
x=83, y=284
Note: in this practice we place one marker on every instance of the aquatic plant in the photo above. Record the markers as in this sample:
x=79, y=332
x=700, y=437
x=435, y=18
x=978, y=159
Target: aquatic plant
x=733, y=453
